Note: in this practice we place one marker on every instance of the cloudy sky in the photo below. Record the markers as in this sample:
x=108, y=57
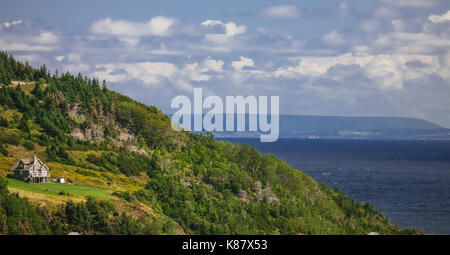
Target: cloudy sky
x=336, y=57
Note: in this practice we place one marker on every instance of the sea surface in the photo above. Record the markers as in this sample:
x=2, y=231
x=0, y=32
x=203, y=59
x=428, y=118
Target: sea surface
x=408, y=181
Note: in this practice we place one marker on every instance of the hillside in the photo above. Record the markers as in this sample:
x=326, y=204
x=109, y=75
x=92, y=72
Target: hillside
x=135, y=175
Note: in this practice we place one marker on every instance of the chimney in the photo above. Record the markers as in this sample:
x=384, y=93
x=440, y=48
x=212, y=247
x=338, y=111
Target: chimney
x=35, y=163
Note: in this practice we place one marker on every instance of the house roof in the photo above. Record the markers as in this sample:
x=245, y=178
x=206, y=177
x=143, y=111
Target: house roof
x=15, y=165
x=27, y=163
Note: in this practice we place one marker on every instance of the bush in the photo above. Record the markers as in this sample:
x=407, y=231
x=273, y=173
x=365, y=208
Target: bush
x=28, y=145
x=13, y=139
x=3, y=151
x=3, y=122
x=86, y=173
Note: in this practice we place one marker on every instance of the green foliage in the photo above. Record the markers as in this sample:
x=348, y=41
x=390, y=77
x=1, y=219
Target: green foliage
x=37, y=91
x=59, y=154
x=57, y=188
x=28, y=145
x=100, y=217
x=129, y=163
x=11, y=138
x=24, y=125
x=205, y=186
x=147, y=122
x=3, y=151
x=3, y=122
x=10, y=69
x=17, y=215
x=52, y=122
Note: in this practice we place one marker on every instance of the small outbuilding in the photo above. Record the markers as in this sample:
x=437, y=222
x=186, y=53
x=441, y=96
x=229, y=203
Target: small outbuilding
x=60, y=180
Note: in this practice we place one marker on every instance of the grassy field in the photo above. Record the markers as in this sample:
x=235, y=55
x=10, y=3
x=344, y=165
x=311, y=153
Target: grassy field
x=83, y=176
x=62, y=189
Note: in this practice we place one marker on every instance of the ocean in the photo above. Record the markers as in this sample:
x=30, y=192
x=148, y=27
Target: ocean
x=407, y=181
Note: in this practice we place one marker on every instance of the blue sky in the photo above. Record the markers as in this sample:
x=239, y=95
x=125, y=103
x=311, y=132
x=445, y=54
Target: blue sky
x=336, y=57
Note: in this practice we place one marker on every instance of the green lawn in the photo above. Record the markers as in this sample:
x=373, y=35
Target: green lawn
x=56, y=188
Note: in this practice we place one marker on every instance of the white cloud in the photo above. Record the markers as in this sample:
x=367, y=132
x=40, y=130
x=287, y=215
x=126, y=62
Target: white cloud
x=77, y=68
x=224, y=41
x=387, y=71
x=212, y=23
x=44, y=41
x=281, y=11
x=74, y=63
x=369, y=25
x=109, y=73
x=231, y=29
x=155, y=73
x=398, y=25
x=45, y=37
x=164, y=51
x=148, y=72
x=201, y=72
x=131, y=41
x=60, y=58
x=440, y=18
x=317, y=66
x=411, y=43
x=213, y=65
x=29, y=58
x=151, y=72
x=243, y=62
x=158, y=26
x=333, y=38
x=74, y=57
x=130, y=31
x=193, y=73
x=412, y=3
x=8, y=45
x=12, y=23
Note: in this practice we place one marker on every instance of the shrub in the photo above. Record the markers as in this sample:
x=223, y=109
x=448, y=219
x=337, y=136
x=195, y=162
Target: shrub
x=13, y=139
x=3, y=151
x=28, y=145
x=3, y=122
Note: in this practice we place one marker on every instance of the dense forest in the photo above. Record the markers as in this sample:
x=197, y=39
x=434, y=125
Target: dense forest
x=192, y=181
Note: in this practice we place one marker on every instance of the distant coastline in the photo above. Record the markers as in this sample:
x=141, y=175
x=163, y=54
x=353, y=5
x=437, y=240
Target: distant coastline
x=346, y=127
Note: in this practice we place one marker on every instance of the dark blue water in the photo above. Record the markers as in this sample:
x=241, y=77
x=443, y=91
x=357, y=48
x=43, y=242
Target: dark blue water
x=408, y=181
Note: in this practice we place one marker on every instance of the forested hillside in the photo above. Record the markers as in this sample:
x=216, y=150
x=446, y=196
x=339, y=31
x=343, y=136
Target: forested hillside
x=157, y=180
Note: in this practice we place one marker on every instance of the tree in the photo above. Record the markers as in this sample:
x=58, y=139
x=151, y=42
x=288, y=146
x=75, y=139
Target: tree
x=23, y=125
x=37, y=91
x=104, y=88
x=3, y=122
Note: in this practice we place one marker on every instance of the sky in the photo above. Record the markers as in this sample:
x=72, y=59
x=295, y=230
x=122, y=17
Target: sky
x=329, y=57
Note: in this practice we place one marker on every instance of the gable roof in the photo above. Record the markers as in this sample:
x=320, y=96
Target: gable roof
x=27, y=163
x=15, y=165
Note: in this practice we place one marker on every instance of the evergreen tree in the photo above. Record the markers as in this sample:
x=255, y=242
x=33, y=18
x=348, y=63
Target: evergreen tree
x=24, y=125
